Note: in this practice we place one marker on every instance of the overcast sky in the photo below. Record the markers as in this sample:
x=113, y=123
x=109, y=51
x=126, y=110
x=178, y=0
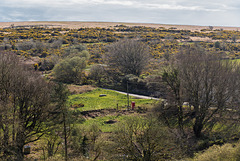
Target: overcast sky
x=186, y=12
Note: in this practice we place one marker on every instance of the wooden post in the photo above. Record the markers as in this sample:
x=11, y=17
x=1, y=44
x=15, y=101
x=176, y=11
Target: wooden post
x=127, y=95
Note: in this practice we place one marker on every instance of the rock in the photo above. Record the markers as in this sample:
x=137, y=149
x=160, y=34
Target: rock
x=110, y=122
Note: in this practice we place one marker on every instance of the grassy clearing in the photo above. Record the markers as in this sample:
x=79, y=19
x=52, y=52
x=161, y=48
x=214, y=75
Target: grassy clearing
x=92, y=101
x=236, y=60
x=101, y=122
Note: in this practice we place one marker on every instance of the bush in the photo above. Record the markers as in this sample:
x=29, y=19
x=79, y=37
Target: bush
x=97, y=72
x=135, y=84
x=26, y=45
x=48, y=63
x=75, y=50
x=86, y=142
x=216, y=153
x=70, y=70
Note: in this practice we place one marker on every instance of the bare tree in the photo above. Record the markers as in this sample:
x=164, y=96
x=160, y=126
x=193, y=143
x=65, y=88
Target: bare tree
x=140, y=138
x=24, y=102
x=209, y=84
x=234, y=38
x=210, y=28
x=171, y=78
x=129, y=56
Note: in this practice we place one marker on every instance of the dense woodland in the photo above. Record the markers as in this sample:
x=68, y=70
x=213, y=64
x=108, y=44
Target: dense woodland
x=51, y=80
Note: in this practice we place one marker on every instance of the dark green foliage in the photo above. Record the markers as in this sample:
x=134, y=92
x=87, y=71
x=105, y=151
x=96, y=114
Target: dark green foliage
x=47, y=64
x=217, y=44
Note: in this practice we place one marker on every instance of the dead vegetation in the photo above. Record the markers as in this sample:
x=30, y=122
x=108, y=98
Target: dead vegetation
x=74, y=89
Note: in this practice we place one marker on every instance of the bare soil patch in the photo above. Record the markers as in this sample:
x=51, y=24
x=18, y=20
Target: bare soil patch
x=201, y=39
x=112, y=112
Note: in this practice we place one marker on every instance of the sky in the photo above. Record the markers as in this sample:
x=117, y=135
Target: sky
x=181, y=12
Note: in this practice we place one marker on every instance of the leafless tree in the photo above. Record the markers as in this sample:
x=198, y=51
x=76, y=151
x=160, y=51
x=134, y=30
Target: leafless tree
x=141, y=138
x=209, y=84
x=210, y=28
x=234, y=38
x=24, y=106
x=129, y=56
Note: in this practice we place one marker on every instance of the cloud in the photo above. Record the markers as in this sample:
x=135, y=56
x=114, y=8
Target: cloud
x=150, y=4
x=204, y=12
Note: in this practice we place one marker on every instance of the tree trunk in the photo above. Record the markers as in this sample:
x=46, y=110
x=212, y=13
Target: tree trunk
x=20, y=141
x=14, y=117
x=6, y=142
x=197, y=128
x=146, y=155
x=65, y=137
x=19, y=153
x=180, y=119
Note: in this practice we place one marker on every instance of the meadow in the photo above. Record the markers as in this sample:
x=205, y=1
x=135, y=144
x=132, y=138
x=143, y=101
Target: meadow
x=92, y=101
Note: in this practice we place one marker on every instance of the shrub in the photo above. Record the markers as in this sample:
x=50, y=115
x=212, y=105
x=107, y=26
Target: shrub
x=70, y=70
x=26, y=45
x=97, y=72
x=216, y=153
x=86, y=141
x=75, y=50
x=48, y=63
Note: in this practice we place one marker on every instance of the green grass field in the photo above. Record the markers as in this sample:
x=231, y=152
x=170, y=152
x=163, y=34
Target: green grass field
x=101, y=122
x=92, y=101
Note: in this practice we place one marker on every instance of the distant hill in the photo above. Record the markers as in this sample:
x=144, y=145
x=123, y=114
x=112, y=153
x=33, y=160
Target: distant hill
x=79, y=24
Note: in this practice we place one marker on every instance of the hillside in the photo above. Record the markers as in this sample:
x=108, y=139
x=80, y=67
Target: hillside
x=192, y=70
x=79, y=24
